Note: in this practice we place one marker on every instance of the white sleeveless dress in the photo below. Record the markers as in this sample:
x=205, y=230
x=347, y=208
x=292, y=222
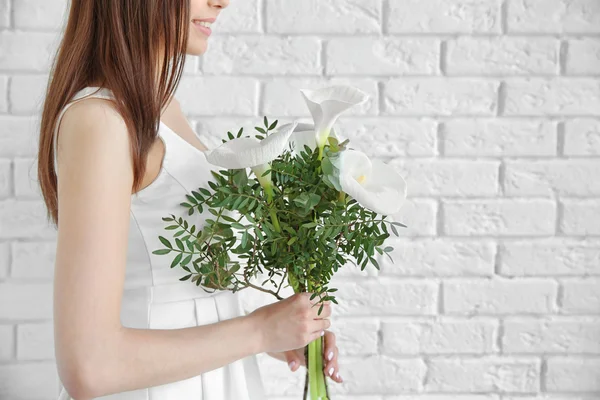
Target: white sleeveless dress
x=153, y=296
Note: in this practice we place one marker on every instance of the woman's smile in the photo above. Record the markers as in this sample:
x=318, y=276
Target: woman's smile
x=204, y=25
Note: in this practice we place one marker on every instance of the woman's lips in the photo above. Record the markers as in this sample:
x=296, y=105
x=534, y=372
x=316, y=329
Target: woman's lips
x=207, y=31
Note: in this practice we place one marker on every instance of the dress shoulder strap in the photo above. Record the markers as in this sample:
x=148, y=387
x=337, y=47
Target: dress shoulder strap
x=84, y=93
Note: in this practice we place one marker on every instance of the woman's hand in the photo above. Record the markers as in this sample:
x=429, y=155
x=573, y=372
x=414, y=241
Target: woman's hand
x=295, y=358
x=290, y=323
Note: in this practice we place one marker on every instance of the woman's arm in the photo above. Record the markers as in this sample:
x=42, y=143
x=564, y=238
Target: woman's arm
x=95, y=354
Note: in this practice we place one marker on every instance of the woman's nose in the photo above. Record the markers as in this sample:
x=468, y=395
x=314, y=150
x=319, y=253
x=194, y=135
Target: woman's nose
x=218, y=3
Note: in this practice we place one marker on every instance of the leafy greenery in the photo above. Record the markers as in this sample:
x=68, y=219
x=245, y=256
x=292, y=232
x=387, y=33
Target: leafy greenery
x=305, y=234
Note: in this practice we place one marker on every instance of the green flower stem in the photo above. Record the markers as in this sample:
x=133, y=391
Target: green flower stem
x=320, y=366
x=315, y=366
x=342, y=197
x=272, y=211
x=312, y=370
x=322, y=140
x=316, y=376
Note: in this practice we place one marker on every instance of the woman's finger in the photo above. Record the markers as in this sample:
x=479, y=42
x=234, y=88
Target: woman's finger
x=330, y=345
x=332, y=368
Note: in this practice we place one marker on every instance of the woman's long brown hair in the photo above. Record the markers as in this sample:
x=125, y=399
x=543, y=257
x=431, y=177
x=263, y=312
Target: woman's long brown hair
x=118, y=43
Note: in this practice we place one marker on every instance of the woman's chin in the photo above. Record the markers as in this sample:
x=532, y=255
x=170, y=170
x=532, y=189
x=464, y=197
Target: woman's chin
x=197, y=48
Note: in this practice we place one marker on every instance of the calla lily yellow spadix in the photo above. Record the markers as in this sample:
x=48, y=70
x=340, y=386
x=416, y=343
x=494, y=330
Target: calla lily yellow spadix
x=372, y=183
x=327, y=104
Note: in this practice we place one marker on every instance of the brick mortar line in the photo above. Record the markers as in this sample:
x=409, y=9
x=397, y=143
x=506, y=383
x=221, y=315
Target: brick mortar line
x=563, y=54
x=504, y=17
x=385, y=8
x=408, y=76
x=572, y=35
x=11, y=15
x=262, y=17
x=371, y=117
x=323, y=57
x=543, y=373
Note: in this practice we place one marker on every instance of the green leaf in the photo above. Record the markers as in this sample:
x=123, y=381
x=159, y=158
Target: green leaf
x=314, y=199
x=375, y=263
x=240, y=177
x=176, y=260
x=185, y=278
x=187, y=260
x=228, y=218
x=398, y=224
x=167, y=219
x=273, y=125
x=165, y=242
x=197, y=195
x=237, y=202
x=326, y=166
x=204, y=191
x=191, y=199
x=161, y=252
x=245, y=238
x=261, y=130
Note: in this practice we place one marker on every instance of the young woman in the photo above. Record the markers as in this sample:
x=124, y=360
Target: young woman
x=116, y=154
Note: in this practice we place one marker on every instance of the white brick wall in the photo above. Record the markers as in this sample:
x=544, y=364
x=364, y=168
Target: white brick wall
x=490, y=108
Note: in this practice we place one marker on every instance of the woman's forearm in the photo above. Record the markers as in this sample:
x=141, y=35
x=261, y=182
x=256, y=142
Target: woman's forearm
x=143, y=358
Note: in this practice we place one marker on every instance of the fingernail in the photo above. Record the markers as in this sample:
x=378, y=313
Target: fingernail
x=292, y=364
x=331, y=371
x=330, y=355
x=322, y=333
x=338, y=375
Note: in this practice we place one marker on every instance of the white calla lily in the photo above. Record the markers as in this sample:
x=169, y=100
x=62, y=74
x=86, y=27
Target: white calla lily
x=252, y=153
x=327, y=104
x=248, y=152
x=304, y=134
x=241, y=153
x=372, y=183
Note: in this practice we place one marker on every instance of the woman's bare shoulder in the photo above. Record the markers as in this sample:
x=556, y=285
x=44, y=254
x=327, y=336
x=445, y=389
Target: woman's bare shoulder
x=94, y=114
x=93, y=134
x=92, y=122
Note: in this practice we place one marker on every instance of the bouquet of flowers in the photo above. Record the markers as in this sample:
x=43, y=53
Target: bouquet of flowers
x=309, y=205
